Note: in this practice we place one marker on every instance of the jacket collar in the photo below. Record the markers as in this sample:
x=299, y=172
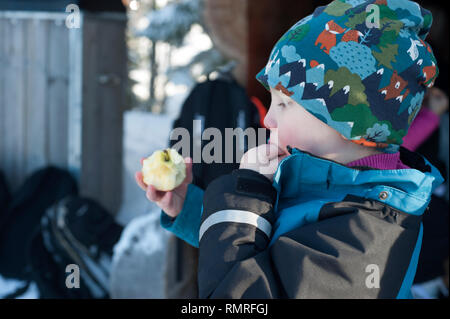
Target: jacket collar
x=303, y=172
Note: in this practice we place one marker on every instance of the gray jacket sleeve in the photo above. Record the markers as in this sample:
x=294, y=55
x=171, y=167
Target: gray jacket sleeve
x=234, y=233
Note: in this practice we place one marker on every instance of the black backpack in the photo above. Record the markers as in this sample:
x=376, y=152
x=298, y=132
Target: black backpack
x=22, y=216
x=75, y=231
x=220, y=103
x=45, y=227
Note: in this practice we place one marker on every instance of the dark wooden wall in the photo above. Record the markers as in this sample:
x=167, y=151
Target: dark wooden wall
x=267, y=22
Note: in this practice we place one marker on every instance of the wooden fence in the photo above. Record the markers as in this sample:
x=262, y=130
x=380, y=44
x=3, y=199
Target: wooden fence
x=62, y=99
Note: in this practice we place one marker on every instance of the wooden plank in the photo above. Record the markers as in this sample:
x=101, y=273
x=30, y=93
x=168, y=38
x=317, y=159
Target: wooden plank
x=2, y=89
x=15, y=100
x=7, y=151
x=111, y=99
x=91, y=162
x=19, y=34
x=75, y=99
x=41, y=15
x=57, y=93
x=36, y=115
x=104, y=58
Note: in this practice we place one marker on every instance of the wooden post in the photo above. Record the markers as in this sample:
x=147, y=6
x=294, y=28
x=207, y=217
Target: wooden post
x=104, y=77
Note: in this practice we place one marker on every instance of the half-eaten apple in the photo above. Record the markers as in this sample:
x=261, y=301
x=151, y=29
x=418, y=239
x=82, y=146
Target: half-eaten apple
x=165, y=170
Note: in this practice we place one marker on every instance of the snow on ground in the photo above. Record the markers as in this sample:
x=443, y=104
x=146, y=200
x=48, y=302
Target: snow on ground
x=31, y=293
x=139, y=260
x=10, y=286
x=139, y=256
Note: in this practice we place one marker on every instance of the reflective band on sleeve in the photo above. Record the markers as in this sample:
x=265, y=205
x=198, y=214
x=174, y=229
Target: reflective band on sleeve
x=236, y=216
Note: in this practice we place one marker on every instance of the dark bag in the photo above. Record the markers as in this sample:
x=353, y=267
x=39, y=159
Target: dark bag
x=22, y=217
x=75, y=231
x=220, y=103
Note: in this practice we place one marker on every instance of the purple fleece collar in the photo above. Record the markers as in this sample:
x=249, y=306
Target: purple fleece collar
x=381, y=161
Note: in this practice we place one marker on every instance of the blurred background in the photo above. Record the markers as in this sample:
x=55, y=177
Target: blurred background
x=88, y=88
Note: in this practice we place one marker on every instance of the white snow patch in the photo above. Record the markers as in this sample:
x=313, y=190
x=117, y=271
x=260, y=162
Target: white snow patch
x=31, y=293
x=9, y=286
x=139, y=259
x=137, y=269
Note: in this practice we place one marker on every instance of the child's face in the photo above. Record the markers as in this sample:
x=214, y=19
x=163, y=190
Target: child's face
x=290, y=124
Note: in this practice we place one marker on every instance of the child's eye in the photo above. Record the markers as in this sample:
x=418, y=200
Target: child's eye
x=282, y=104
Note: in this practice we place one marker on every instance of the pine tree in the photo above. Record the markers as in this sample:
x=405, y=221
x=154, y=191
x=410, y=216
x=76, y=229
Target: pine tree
x=387, y=55
x=170, y=24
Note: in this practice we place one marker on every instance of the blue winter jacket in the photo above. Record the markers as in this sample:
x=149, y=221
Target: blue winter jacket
x=320, y=230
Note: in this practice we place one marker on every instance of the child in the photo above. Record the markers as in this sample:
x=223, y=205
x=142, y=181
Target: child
x=332, y=206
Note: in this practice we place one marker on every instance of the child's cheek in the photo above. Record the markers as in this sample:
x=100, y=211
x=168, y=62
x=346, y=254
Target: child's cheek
x=288, y=135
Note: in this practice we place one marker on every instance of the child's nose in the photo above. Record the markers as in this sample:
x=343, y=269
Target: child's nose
x=269, y=120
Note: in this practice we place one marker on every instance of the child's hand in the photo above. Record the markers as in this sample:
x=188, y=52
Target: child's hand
x=170, y=202
x=263, y=159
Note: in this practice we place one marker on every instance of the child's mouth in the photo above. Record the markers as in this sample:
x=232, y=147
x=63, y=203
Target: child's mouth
x=281, y=152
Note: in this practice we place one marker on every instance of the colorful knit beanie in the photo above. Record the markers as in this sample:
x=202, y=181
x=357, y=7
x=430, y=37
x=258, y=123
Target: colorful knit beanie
x=362, y=67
